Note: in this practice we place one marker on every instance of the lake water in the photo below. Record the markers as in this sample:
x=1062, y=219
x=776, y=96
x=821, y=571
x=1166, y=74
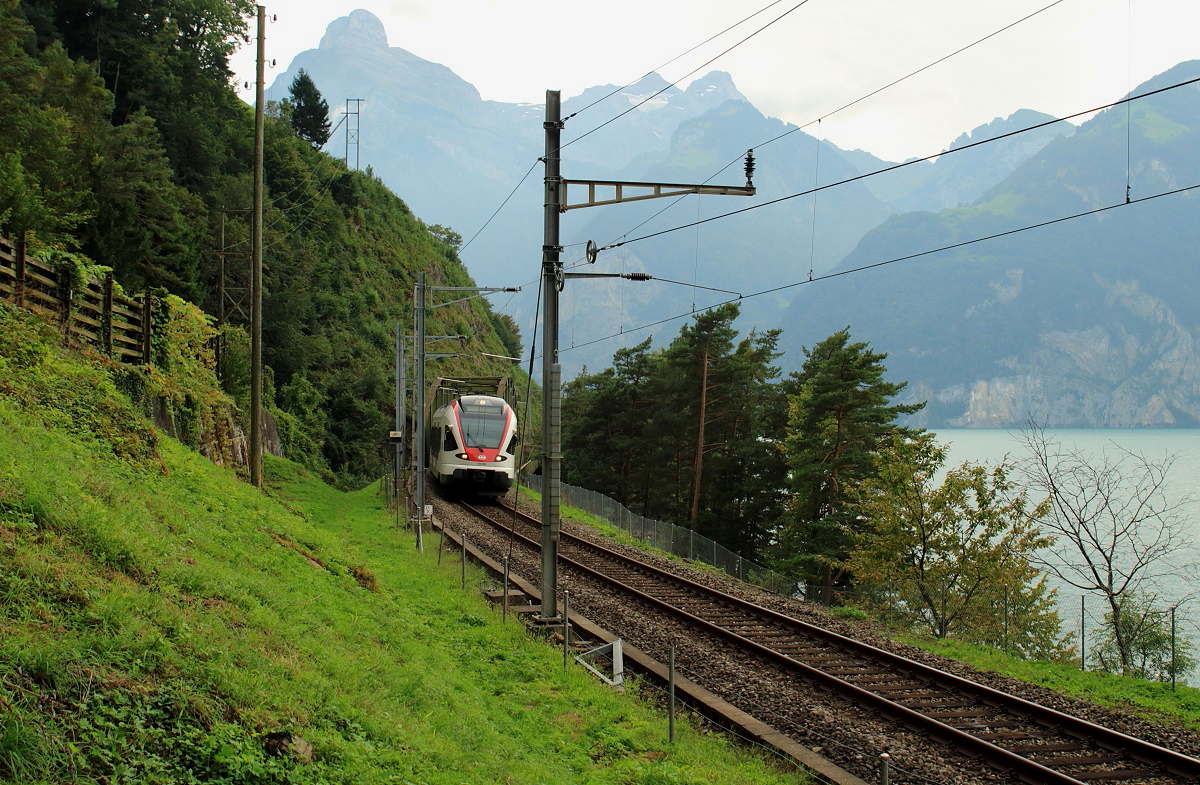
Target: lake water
x=991, y=446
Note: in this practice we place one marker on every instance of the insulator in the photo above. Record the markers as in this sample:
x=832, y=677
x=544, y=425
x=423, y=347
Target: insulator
x=749, y=166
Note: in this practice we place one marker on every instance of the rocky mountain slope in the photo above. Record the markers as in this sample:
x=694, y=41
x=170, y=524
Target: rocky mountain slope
x=1085, y=322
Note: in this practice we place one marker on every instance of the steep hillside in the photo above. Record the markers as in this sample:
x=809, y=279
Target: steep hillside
x=1088, y=322
x=127, y=145
x=164, y=623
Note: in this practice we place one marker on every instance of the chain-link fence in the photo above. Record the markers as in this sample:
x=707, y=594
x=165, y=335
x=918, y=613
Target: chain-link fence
x=674, y=539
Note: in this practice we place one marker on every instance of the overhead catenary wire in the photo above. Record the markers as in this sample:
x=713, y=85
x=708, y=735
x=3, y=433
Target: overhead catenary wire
x=656, y=69
x=496, y=212
x=812, y=235
x=907, y=257
x=685, y=76
x=911, y=74
x=856, y=101
x=769, y=141
x=615, y=92
x=981, y=142
x=910, y=162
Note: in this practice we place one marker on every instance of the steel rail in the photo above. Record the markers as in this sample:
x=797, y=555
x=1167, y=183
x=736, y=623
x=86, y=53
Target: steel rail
x=1028, y=770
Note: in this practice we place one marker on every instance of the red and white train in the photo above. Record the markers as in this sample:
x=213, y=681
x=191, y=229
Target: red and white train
x=471, y=444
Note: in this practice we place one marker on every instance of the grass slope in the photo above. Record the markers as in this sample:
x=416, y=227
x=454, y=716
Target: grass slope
x=162, y=622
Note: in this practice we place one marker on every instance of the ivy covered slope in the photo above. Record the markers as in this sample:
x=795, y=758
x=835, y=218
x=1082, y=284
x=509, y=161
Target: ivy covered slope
x=162, y=622
x=125, y=143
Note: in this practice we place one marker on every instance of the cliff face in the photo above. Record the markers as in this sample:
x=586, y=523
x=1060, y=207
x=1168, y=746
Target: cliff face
x=1138, y=366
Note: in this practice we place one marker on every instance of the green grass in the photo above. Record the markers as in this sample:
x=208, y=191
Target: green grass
x=160, y=620
x=1152, y=701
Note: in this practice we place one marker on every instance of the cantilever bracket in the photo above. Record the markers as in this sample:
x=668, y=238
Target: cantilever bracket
x=617, y=193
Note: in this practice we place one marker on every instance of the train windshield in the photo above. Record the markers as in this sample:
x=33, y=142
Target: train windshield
x=482, y=422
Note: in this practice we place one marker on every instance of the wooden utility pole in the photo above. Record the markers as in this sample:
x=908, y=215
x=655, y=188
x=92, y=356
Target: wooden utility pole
x=256, y=442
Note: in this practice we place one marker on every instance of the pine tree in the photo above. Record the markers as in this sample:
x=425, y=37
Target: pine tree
x=310, y=112
x=684, y=434
x=839, y=416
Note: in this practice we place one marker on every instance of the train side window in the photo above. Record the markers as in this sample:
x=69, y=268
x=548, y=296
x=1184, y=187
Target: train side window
x=450, y=444
x=512, y=445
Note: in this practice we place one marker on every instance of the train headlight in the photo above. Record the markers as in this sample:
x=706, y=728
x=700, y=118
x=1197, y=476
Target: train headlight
x=501, y=458
x=462, y=456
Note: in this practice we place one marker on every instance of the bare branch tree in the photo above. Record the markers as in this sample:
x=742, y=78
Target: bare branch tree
x=1118, y=533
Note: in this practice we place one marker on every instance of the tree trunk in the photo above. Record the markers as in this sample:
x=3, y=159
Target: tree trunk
x=698, y=464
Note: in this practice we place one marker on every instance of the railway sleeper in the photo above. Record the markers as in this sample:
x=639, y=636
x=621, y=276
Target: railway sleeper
x=807, y=655
x=960, y=714
x=918, y=696
x=893, y=686
x=1067, y=760
x=1115, y=774
x=1065, y=746
x=1003, y=735
x=949, y=703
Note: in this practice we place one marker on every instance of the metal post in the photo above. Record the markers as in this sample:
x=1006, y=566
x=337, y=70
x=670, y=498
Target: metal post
x=566, y=628
x=942, y=621
x=551, y=275
x=419, y=406
x=256, y=441
x=1005, y=640
x=464, y=560
x=504, y=601
x=401, y=405
x=671, y=695
x=1172, y=648
x=1082, y=631
x=884, y=774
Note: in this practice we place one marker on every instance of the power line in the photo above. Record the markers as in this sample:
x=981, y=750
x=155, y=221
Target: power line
x=910, y=162
x=673, y=59
x=769, y=141
x=501, y=207
x=685, y=76
x=910, y=75
x=908, y=257
x=614, y=92
x=871, y=94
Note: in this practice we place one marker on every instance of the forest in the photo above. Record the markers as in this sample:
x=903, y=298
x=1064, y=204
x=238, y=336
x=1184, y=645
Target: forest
x=125, y=146
x=818, y=476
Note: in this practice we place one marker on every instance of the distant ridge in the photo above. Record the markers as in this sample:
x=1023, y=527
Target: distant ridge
x=990, y=334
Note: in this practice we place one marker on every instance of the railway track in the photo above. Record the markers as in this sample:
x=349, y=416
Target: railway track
x=1020, y=740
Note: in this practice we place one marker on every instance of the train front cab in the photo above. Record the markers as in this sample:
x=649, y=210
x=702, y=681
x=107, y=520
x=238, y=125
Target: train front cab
x=476, y=436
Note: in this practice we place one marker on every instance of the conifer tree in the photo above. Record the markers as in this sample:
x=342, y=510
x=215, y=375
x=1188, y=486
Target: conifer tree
x=839, y=415
x=310, y=111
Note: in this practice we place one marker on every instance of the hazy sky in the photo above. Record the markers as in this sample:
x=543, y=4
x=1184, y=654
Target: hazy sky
x=822, y=55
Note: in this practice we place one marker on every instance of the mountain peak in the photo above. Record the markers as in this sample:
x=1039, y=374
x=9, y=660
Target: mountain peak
x=718, y=84
x=360, y=28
